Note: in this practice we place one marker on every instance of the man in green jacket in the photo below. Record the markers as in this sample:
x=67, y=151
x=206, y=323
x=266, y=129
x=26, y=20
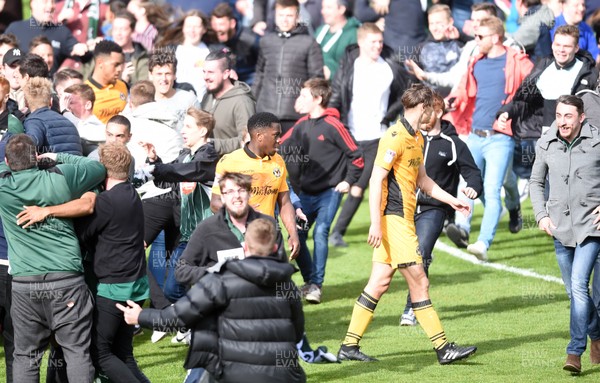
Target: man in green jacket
x=48, y=290
x=337, y=32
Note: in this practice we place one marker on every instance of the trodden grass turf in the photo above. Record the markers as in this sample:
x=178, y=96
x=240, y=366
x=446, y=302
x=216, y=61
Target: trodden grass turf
x=520, y=324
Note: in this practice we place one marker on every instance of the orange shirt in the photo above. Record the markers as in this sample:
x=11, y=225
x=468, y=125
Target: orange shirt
x=269, y=176
x=111, y=99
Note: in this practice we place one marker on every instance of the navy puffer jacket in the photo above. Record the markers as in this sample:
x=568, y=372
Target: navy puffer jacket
x=52, y=133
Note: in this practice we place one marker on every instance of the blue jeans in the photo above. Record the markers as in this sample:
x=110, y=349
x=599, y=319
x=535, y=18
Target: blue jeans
x=524, y=157
x=429, y=225
x=576, y=265
x=320, y=209
x=172, y=289
x=511, y=188
x=492, y=156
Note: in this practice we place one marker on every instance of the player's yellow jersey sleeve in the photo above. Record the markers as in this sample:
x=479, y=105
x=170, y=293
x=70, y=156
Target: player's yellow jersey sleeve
x=390, y=148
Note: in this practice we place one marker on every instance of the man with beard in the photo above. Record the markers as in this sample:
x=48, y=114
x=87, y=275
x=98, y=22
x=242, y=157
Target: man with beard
x=492, y=79
x=223, y=232
x=241, y=40
x=228, y=100
x=567, y=155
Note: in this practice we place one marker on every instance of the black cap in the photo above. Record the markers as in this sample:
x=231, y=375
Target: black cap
x=13, y=56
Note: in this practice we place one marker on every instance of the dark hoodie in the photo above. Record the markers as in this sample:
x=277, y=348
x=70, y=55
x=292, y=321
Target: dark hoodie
x=446, y=157
x=231, y=113
x=285, y=61
x=320, y=153
x=246, y=320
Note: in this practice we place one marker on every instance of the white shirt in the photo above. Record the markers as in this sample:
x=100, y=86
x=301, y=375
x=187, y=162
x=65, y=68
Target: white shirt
x=179, y=103
x=190, y=66
x=370, y=96
x=554, y=82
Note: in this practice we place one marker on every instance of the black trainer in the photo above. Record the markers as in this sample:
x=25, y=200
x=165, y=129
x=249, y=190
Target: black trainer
x=353, y=353
x=458, y=235
x=515, y=222
x=337, y=240
x=453, y=352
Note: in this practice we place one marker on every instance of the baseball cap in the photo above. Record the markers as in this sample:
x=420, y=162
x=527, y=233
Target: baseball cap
x=12, y=57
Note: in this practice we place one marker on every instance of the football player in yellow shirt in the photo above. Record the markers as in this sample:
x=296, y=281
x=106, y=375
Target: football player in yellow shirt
x=397, y=173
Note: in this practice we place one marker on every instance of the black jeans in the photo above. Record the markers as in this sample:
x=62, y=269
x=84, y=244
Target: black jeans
x=160, y=215
x=112, y=344
x=429, y=225
x=6, y=321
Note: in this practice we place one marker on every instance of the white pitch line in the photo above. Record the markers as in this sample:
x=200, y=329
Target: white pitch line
x=453, y=251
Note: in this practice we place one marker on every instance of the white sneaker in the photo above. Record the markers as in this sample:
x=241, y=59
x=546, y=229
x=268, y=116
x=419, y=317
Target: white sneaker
x=479, y=250
x=182, y=337
x=314, y=294
x=408, y=319
x=157, y=335
x=304, y=289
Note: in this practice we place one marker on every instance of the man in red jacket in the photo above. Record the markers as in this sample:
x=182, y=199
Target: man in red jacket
x=491, y=81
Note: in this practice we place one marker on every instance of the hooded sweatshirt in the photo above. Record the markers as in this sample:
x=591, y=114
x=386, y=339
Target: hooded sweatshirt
x=231, y=112
x=334, y=45
x=446, y=157
x=320, y=153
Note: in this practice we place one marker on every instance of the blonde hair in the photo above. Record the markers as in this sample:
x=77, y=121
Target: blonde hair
x=494, y=24
x=440, y=8
x=38, y=92
x=116, y=159
x=367, y=28
x=203, y=119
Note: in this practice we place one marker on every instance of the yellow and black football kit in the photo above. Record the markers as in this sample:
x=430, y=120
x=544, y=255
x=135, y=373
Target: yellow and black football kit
x=269, y=176
x=400, y=152
x=111, y=99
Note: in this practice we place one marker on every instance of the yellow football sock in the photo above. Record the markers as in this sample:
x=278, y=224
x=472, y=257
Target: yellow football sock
x=430, y=322
x=361, y=317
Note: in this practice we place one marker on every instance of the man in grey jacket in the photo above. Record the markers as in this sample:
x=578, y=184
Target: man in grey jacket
x=569, y=155
x=230, y=101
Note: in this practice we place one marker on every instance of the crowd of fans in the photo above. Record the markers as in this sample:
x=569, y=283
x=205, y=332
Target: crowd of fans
x=186, y=129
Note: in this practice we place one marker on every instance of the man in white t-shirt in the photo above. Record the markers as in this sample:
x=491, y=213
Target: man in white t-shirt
x=162, y=67
x=366, y=90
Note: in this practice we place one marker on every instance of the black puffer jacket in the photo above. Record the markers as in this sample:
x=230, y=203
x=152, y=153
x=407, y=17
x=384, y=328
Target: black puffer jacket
x=285, y=62
x=246, y=321
x=343, y=81
x=529, y=111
